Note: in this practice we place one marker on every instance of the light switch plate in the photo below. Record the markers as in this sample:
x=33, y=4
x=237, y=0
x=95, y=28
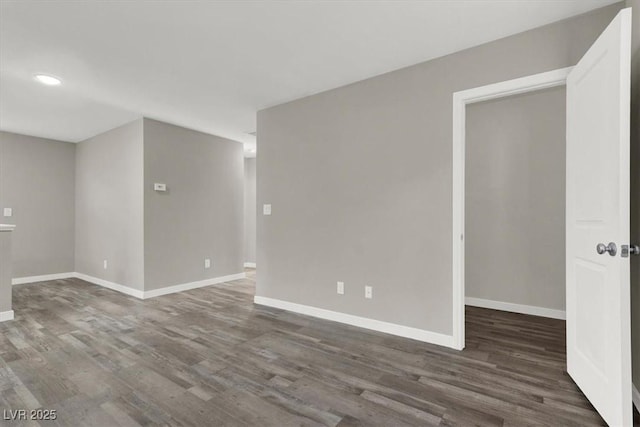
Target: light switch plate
x=207, y=263
x=8, y=212
x=159, y=186
x=368, y=292
x=340, y=288
x=266, y=209
x=105, y=264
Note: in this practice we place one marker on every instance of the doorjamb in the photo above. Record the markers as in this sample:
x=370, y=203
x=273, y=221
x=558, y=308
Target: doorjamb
x=460, y=100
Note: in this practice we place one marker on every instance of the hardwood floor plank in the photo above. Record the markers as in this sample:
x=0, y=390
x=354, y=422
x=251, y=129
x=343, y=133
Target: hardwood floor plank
x=210, y=357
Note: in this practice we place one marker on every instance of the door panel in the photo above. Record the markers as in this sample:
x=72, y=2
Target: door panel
x=598, y=290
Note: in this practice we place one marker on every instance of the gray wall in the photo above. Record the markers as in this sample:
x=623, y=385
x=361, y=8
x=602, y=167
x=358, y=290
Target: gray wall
x=109, y=206
x=37, y=179
x=360, y=179
x=5, y=271
x=250, y=210
x=111, y=211
x=635, y=187
x=201, y=215
x=515, y=199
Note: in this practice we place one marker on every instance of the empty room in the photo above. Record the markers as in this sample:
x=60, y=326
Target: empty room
x=320, y=213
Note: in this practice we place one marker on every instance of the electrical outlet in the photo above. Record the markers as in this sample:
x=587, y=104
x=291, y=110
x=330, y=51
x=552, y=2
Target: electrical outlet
x=207, y=263
x=266, y=209
x=105, y=264
x=8, y=212
x=368, y=292
x=340, y=288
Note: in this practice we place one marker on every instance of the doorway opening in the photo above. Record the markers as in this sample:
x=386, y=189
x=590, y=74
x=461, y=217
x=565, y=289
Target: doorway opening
x=515, y=168
x=461, y=100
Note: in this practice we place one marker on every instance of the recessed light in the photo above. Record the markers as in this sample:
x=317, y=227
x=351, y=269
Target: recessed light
x=47, y=80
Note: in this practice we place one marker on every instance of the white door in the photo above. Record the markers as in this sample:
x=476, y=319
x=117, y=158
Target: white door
x=598, y=293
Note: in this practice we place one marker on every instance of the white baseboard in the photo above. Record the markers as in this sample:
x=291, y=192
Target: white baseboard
x=192, y=285
x=362, y=322
x=126, y=289
x=250, y=264
x=6, y=315
x=162, y=291
x=516, y=308
x=44, y=278
x=636, y=396
x=111, y=285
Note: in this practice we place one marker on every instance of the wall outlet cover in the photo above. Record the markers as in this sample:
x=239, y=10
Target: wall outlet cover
x=266, y=209
x=105, y=264
x=8, y=212
x=159, y=186
x=340, y=288
x=207, y=263
x=368, y=292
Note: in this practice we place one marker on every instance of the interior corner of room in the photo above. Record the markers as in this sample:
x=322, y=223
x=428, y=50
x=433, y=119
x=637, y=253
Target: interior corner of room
x=90, y=210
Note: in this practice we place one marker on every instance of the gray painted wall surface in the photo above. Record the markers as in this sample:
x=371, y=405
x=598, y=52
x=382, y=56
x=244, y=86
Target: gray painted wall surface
x=635, y=187
x=360, y=179
x=201, y=215
x=250, y=210
x=515, y=199
x=5, y=270
x=109, y=206
x=37, y=180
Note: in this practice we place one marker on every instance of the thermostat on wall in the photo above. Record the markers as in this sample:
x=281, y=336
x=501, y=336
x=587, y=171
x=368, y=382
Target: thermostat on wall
x=159, y=187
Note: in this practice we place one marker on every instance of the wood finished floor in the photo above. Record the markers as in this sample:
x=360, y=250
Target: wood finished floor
x=209, y=357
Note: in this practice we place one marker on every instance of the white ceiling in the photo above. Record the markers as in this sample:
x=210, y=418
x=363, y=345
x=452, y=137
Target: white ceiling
x=210, y=65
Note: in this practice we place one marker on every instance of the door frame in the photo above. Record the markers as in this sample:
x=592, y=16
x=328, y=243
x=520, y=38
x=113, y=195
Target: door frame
x=460, y=100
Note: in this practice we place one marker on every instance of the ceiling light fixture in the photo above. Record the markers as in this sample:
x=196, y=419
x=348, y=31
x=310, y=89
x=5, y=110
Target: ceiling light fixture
x=47, y=80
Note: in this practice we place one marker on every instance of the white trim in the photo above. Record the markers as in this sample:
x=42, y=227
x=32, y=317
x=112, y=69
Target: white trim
x=460, y=100
x=250, y=264
x=517, y=308
x=111, y=285
x=193, y=285
x=636, y=396
x=158, y=292
x=6, y=315
x=362, y=322
x=43, y=278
